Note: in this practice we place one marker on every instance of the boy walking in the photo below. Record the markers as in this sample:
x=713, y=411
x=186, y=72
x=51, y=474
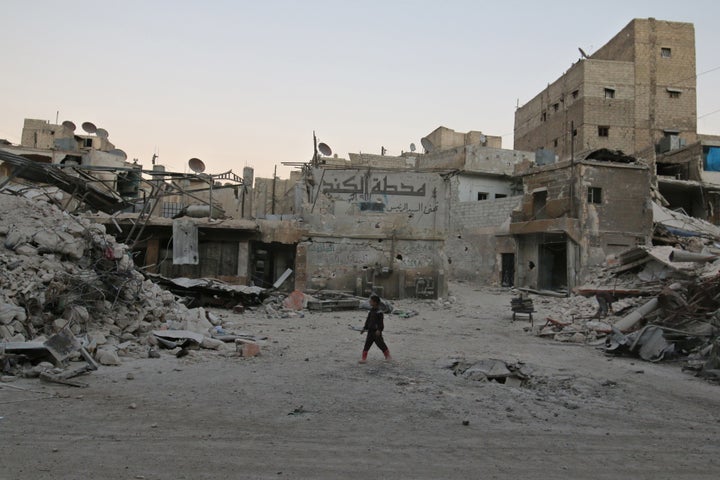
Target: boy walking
x=374, y=326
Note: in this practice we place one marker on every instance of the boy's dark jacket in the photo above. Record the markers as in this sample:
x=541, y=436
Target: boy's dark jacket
x=374, y=321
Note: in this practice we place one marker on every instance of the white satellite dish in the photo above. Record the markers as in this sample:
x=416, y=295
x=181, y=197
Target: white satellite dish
x=196, y=165
x=89, y=127
x=119, y=153
x=325, y=149
x=427, y=144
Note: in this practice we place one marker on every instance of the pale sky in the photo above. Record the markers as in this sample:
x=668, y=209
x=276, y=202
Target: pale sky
x=245, y=83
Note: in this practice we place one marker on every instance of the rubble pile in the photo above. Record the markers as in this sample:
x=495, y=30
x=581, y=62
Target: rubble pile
x=657, y=303
x=59, y=271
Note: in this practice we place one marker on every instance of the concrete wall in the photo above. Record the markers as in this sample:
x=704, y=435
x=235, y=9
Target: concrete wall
x=443, y=138
x=405, y=161
x=417, y=200
x=468, y=188
x=358, y=265
x=477, y=239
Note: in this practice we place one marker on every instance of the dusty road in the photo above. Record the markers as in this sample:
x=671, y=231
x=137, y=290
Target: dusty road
x=305, y=409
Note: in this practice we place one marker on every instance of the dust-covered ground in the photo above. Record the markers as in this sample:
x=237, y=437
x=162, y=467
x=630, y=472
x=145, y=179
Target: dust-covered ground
x=306, y=409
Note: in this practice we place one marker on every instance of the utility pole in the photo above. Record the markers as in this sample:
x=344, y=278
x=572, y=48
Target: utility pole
x=272, y=208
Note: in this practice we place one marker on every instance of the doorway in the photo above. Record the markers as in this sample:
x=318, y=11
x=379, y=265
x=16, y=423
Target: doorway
x=553, y=262
x=507, y=275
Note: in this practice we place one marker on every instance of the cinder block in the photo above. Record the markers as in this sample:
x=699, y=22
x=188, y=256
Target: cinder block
x=248, y=349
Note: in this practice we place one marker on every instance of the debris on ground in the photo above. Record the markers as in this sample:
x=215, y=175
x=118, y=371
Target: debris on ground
x=62, y=274
x=657, y=303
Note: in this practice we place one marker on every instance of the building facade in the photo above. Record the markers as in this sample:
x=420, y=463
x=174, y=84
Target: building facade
x=637, y=94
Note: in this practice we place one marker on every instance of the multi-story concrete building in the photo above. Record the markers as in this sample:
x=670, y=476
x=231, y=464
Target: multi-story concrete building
x=636, y=94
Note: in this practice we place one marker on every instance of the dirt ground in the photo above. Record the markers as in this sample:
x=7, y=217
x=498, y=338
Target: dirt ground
x=305, y=409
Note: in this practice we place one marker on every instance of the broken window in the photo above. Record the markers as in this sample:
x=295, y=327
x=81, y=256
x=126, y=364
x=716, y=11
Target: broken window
x=482, y=196
x=665, y=52
x=603, y=131
x=556, y=106
x=539, y=202
x=594, y=195
x=609, y=92
x=575, y=93
x=555, y=143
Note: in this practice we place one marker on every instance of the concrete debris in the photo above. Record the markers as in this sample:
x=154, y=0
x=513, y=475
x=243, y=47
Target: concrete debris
x=656, y=303
x=489, y=369
x=69, y=292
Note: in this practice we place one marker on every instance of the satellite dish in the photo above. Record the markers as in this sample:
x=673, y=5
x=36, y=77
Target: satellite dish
x=427, y=144
x=196, y=165
x=412, y=147
x=582, y=53
x=89, y=127
x=325, y=149
x=102, y=133
x=483, y=139
x=119, y=153
x=68, y=125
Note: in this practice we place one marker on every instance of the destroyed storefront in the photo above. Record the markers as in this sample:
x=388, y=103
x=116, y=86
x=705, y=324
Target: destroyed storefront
x=374, y=230
x=575, y=214
x=688, y=177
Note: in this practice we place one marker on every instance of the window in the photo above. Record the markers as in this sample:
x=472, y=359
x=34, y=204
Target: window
x=603, y=131
x=674, y=92
x=555, y=143
x=575, y=93
x=556, y=106
x=500, y=195
x=88, y=142
x=665, y=52
x=575, y=132
x=543, y=116
x=482, y=196
x=609, y=92
x=539, y=201
x=594, y=195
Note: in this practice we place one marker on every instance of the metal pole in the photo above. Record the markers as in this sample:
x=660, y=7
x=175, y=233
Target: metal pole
x=211, y=204
x=272, y=208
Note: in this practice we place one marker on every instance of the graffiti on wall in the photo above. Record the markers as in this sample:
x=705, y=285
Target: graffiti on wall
x=390, y=193
x=364, y=185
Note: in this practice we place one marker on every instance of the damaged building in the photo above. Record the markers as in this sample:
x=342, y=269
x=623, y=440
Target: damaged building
x=409, y=223
x=615, y=132
x=574, y=214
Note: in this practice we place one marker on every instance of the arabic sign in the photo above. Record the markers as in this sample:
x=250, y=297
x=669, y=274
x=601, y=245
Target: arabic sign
x=359, y=184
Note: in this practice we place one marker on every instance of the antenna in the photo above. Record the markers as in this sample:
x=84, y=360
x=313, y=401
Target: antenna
x=412, y=147
x=89, y=127
x=196, y=165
